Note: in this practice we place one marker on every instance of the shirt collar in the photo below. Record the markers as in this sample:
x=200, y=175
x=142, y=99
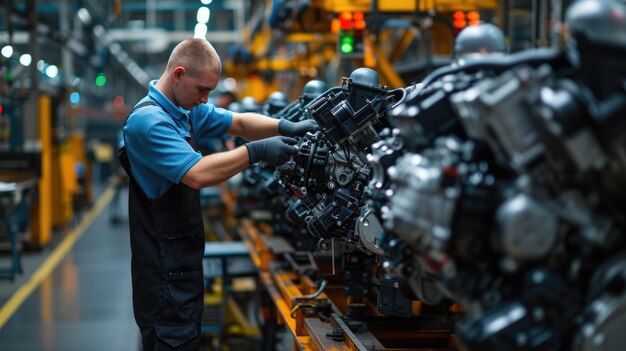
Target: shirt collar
x=169, y=107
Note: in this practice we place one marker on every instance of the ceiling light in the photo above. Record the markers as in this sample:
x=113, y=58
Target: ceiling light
x=206, y=2
x=203, y=14
x=84, y=15
x=7, y=51
x=200, y=31
x=26, y=59
x=52, y=71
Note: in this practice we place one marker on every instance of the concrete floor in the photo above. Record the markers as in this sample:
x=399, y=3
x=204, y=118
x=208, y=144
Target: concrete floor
x=85, y=302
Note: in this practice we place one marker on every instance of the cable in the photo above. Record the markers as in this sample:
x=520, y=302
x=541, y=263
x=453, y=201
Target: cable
x=299, y=306
x=315, y=294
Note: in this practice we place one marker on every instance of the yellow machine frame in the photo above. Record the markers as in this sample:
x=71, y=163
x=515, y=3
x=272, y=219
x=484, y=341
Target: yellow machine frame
x=380, y=53
x=286, y=290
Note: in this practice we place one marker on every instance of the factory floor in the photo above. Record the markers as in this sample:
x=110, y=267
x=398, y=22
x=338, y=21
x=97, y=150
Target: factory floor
x=75, y=294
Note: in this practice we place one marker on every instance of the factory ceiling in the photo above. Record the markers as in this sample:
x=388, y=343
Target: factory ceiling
x=135, y=35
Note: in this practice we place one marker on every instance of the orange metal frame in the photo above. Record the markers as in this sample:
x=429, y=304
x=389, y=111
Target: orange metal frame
x=309, y=332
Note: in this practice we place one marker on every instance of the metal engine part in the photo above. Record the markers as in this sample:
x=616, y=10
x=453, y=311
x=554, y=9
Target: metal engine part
x=369, y=231
x=527, y=230
x=330, y=170
x=605, y=315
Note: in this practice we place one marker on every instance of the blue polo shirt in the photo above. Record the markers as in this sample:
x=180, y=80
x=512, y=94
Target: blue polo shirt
x=155, y=138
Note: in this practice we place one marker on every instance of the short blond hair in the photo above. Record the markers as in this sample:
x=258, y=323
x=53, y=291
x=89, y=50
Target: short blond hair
x=194, y=55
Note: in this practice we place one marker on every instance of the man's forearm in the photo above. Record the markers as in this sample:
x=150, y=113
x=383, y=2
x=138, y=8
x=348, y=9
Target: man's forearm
x=215, y=168
x=253, y=126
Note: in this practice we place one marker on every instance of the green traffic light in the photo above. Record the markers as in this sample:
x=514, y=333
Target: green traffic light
x=346, y=43
x=346, y=48
x=101, y=80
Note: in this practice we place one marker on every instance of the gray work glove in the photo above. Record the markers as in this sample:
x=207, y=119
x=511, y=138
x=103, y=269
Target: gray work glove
x=292, y=129
x=275, y=150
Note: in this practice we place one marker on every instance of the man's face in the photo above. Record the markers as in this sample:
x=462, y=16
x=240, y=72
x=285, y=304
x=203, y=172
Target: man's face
x=191, y=91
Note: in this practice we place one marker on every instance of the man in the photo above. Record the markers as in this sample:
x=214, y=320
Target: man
x=162, y=136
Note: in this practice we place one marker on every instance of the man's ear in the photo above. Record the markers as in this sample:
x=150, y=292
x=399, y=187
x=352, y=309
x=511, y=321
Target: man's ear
x=178, y=73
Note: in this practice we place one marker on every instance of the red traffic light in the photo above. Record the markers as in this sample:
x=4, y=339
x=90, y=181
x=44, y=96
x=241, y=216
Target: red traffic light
x=458, y=16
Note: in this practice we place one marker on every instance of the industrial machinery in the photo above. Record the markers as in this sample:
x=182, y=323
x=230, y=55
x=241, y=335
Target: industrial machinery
x=286, y=43
x=481, y=208
x=319, y=254
x=519, y=217
x=330, y=171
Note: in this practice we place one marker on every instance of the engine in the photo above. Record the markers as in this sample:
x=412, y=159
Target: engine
x=514, y=209
x=331, y=171
x=497, y=184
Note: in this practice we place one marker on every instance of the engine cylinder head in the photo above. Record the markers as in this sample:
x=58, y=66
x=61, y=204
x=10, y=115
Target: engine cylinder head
x=481, y=39
x=364, y=76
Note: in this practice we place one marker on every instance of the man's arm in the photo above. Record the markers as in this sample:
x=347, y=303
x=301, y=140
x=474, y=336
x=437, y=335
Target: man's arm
x=215, y=168
x=253, y=126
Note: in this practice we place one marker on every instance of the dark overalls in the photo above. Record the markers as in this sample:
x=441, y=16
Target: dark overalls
x=167, y=244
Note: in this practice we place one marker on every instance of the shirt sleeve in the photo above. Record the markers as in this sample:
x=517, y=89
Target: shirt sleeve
x=210, y=123
x=167, y=153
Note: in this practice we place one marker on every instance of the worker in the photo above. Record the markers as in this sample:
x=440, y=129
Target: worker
x=161, y=137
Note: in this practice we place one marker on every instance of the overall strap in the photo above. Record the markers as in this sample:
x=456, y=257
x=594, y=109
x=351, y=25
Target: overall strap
x=143, y=104
x=122, y=153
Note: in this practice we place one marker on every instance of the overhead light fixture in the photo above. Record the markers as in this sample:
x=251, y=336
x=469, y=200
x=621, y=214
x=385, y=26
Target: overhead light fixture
x=200, y=31
x=84, y=15
x=7, y=51
x=206, y=2
x=203, y=14
x=52, y=71
x=26, y=59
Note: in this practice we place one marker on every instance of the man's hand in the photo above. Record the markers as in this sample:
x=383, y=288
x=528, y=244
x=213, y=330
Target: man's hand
x=275, y=150
x=292, y=129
